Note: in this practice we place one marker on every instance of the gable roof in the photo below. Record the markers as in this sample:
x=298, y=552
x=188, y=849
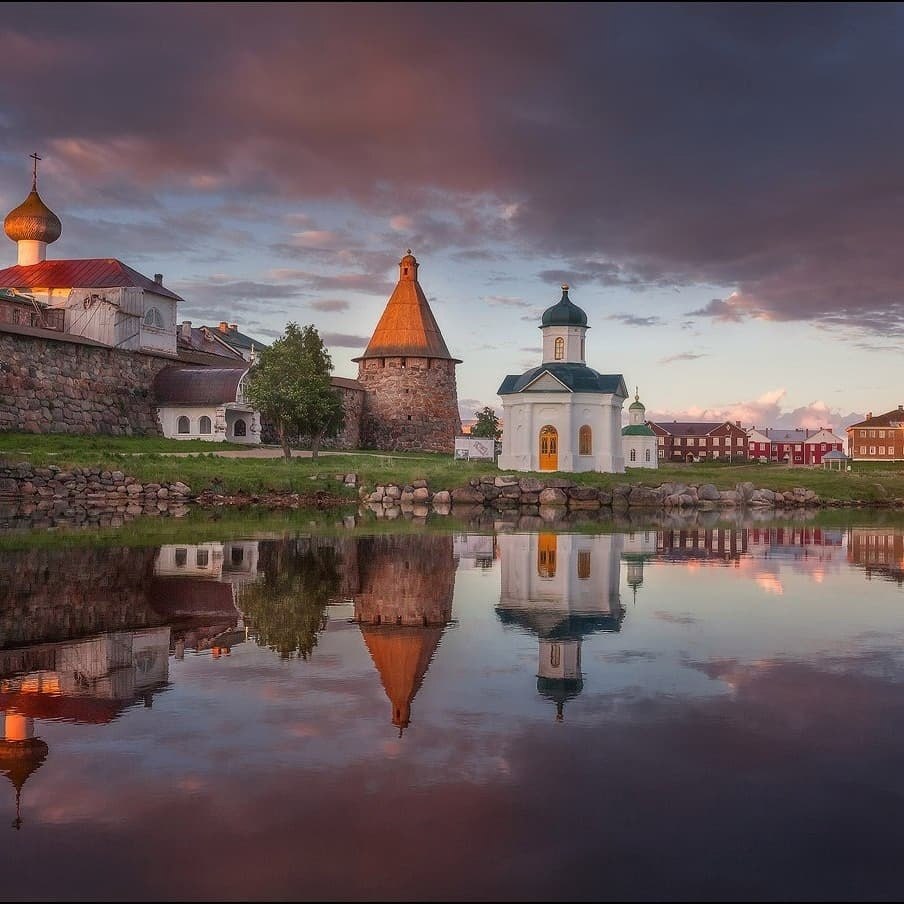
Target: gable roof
x=893, y=418
x=204, y=339
x=574, y=377
x=236, y=339
x=407, y=327
x=90, y=273
x=692, y=428
x=180, y=385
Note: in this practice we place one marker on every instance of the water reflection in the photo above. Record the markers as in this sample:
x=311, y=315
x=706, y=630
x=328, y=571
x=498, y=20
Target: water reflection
x=713, y=662
x=402, y=607
x=561, y=588
x=87, y=681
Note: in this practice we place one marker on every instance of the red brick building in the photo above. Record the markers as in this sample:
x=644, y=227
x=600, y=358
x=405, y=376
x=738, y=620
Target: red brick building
x=801, y=446
x=700, y=441
x=879, y=438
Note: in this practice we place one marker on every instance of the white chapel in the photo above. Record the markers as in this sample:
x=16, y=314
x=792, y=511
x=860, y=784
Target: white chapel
x=563, y=415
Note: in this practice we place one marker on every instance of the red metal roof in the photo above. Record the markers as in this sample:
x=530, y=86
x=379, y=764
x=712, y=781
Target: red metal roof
x=91, y=273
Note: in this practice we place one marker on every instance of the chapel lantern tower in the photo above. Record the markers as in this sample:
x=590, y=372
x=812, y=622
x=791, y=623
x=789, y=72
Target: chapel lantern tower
x=32, y=225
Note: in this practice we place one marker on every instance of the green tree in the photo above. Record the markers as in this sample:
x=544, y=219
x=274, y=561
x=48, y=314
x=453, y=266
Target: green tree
x=487, y=424
x=290, y=385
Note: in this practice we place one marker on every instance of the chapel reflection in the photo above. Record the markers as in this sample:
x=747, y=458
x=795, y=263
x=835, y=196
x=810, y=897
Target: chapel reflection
x=86, y=681
x=560, y=588
x=402, y=606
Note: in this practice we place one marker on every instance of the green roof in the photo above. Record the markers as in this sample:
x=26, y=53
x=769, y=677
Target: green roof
x=564, y=313
x=574, y=377
x=637, y=430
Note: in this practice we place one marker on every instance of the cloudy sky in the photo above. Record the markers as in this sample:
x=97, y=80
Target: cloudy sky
x=722, y=185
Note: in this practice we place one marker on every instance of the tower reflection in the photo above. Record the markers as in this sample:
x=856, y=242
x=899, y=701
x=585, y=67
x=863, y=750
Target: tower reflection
x=402, y=606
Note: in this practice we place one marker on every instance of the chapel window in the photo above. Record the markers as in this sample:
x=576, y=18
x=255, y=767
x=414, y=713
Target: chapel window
x=559, y=349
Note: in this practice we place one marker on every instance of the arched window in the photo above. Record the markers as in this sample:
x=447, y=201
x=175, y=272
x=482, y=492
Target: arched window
x=555, y=655
x=559, y=349
x=648, y=454
x=154, y=318
x=634, y=455
x=183, y=425
x=585, y=440
x=204, y=425
x=239, y=428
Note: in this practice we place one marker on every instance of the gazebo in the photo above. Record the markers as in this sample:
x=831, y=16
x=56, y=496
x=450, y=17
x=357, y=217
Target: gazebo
x=835, y=459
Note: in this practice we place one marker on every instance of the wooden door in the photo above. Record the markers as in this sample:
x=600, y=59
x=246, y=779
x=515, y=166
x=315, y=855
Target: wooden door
x=549, y=449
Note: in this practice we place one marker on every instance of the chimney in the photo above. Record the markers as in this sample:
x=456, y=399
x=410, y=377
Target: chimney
x=900, y=407
x=737, y=423
x=158, y=278
x=185, y=330
x=223, y=327
x=869, y=414
x=234, y=327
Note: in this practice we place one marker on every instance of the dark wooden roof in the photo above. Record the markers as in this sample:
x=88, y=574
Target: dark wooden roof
x=182, y=385
x=91, y=273
x=574, y=377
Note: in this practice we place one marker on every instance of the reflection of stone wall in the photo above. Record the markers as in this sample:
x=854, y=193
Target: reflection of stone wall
x=411, y=404
x=405, y=579
x=51, y=595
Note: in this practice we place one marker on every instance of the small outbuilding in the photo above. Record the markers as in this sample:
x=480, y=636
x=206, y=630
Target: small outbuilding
x=835, y=460
x=639, y=442
x=206, y=403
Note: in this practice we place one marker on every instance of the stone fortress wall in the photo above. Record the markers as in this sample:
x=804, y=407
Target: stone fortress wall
x=66, y=386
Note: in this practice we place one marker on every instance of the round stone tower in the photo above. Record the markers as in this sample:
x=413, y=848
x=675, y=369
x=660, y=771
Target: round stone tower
x=408, y=375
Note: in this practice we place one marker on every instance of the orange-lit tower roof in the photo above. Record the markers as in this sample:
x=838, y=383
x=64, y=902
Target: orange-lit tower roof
x=407, y=327
x=402, y=657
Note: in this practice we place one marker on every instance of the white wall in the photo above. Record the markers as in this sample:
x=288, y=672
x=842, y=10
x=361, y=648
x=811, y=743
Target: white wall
x=574, y=344
x=524, y=587
x=525, y=413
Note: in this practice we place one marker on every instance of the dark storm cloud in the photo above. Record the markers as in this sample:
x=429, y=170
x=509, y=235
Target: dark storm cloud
x=752, y=148
x=683, y=356
x=633, y=320
x=345, y=340
x=329, y=304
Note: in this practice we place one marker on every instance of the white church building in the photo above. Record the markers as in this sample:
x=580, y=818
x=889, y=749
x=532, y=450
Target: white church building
x=639, y=442
x=563, y=415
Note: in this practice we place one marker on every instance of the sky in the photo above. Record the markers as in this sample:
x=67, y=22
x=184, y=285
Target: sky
x=721, y=185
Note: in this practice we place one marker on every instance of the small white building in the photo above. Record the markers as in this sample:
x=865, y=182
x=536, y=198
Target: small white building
x=206, y=403
x=563, y=415
x=639, y=442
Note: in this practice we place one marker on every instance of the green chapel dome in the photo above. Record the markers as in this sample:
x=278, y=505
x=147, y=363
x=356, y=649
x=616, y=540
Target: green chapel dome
x=564, y=313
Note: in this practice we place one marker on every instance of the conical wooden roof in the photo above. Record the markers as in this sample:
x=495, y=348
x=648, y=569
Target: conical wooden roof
x=407, y=327
x=402, y=656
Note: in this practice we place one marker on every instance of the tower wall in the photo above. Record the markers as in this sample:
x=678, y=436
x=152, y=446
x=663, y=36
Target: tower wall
x=410, y=404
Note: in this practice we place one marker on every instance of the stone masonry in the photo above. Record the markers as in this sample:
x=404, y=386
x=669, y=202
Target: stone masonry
x=59, y=386
x=411, y=404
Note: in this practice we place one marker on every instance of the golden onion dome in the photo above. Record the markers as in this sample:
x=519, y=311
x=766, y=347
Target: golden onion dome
x=32, y=221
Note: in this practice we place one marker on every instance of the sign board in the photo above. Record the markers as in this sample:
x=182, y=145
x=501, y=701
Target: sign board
x=473, y=448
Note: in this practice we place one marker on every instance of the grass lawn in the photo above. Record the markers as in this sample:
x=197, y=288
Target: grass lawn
x=868, y=482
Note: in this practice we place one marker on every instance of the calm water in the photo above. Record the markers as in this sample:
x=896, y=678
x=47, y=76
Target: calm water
x=664, y=713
